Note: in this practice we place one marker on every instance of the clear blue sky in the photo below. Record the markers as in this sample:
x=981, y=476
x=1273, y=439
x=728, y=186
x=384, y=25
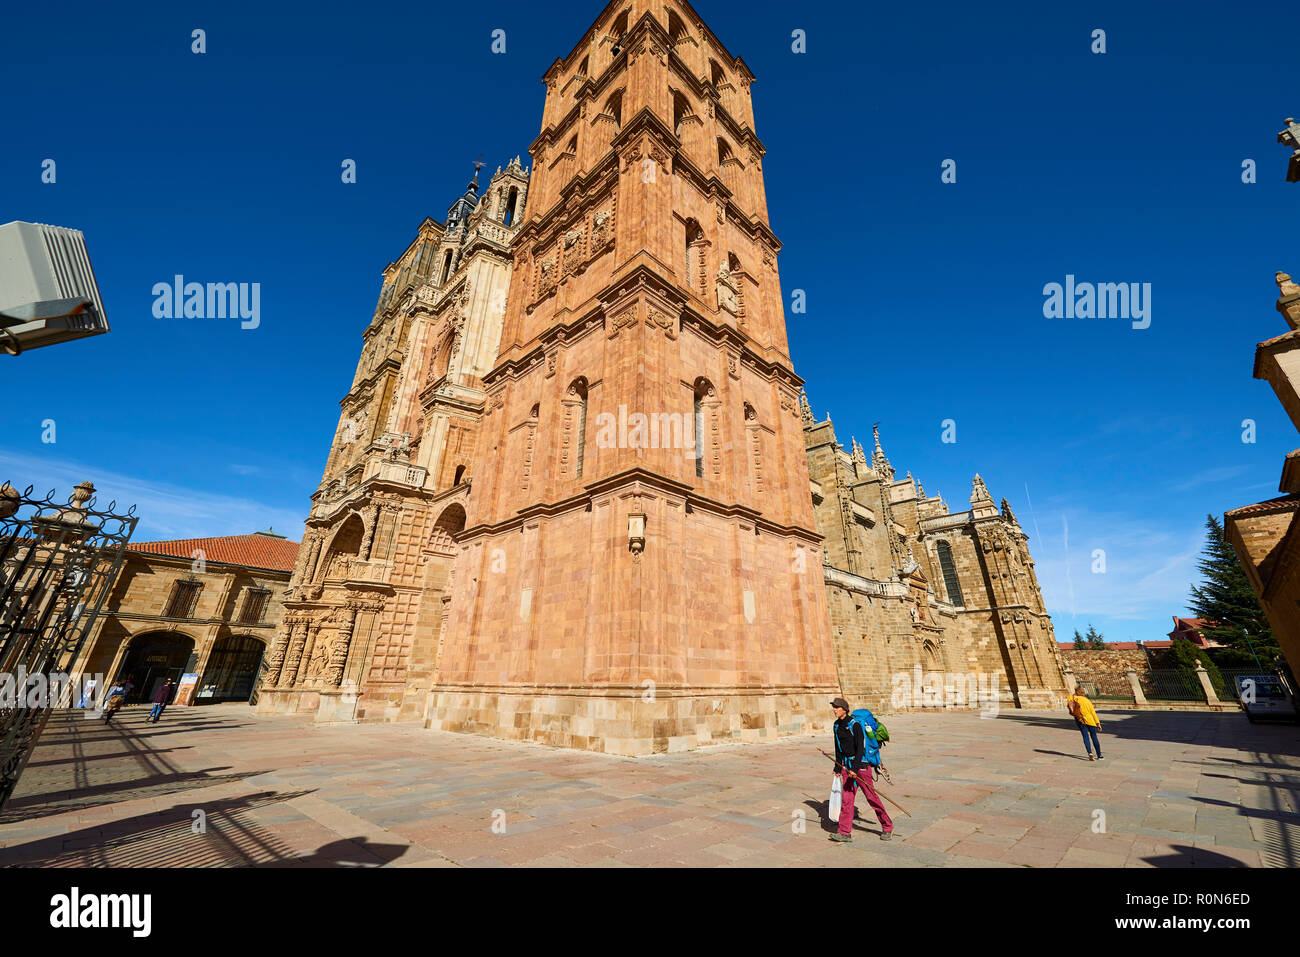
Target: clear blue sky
x=924, y=299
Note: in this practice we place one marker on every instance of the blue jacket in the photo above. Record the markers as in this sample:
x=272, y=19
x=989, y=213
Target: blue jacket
x=853, y=747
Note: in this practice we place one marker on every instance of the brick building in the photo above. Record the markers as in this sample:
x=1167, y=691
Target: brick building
x=197, y=606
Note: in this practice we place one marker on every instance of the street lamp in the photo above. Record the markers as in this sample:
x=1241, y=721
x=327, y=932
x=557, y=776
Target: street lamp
x=48, y=292
x=1245, y=634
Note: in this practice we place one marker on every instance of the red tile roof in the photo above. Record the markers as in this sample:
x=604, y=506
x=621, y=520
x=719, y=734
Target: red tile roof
x=252, y=551
x=1284, y=503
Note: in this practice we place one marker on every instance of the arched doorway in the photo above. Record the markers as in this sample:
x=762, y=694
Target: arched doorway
x=232, y=670
x=449, y=524
x=931, y=655
x=345, y=545
x=152, y=659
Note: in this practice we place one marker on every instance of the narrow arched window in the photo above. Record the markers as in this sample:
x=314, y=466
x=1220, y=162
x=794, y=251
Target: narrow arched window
x=460, y=474
x=703, y=393
x=681, y=110
x=699, y=436
x=949, y=569
x=694, y=256
x=446, y=266
x=576, y=423
x=676, y=29
x=619, y=27
x=582, y=432
x=512, y=199
x=716, y=74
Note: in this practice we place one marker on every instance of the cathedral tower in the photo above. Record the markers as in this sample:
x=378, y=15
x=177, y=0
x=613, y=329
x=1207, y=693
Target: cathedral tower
x=640, y=569
x=365, y=605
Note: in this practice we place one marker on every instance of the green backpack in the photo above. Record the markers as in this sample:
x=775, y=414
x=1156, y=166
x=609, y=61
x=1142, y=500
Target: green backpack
x=882, y=733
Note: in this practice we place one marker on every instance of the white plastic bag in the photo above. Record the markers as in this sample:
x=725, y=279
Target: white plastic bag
x=833, y=806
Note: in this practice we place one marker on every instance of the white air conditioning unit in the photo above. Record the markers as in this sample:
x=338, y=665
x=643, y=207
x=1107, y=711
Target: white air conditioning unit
x=48, y=292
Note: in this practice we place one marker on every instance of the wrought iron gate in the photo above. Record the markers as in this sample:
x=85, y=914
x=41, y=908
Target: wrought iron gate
x=58, y=561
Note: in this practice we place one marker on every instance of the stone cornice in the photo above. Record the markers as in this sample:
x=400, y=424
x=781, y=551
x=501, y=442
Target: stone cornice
x=203, y=622
x=660, y=483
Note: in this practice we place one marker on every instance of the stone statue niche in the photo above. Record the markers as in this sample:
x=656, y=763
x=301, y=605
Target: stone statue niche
x=728, y=300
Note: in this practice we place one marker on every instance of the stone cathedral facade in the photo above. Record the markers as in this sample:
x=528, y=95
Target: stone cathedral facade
x=928, y=608
x=569, y=499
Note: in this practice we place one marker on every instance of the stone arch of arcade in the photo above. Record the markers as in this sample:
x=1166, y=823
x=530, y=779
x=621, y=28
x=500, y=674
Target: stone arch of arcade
x=449, y=524
x=151, y=658
x=233, y=669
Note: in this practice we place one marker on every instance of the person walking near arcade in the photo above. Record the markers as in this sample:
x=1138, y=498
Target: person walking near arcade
x=1085, y=716
x=160, y=699
x=856, y=753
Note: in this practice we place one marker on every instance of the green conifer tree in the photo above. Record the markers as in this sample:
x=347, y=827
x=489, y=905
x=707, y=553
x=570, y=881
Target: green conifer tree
x=1226, y=599
x=1095, y=641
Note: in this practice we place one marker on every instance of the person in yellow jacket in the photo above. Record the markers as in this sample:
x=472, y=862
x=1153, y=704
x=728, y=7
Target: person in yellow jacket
x=1085, y=716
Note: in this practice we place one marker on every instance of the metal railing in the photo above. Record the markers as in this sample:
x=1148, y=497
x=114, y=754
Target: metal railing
x=58, y=562
x=1172, y=684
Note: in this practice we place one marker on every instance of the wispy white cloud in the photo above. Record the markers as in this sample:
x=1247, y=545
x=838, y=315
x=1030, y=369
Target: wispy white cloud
x=1148, y=571
x=1209, y=476
x=165, y=510
x=244, y=469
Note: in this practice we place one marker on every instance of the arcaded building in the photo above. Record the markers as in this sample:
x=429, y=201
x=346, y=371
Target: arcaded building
x=203, y=607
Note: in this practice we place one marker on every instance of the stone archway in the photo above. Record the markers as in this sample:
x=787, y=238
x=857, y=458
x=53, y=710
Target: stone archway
x=930, y=657
x=151, y=659
x=344, y=546
x=449, y=524
x=232, y=669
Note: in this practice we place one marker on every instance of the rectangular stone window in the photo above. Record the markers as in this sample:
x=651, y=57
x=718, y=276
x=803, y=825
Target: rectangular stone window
x=183, y=599
x=255, y=603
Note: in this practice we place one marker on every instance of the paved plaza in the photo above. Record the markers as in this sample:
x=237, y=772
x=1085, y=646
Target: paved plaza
x=220, y=786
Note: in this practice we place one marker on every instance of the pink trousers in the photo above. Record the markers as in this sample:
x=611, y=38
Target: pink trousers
x=846, y=803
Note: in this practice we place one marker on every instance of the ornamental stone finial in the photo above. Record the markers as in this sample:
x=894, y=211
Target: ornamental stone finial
x=1291, y=137
x=859, y=456
x=1007, y=513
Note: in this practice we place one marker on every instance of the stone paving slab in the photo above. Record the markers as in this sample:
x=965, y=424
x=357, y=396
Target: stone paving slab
x=1177, y=789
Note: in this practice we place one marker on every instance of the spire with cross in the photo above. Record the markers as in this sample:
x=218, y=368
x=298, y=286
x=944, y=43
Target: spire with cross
x=473, y=183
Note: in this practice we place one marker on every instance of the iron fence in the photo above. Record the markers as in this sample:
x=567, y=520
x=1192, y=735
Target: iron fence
x=58, y=561
x=1172, y=684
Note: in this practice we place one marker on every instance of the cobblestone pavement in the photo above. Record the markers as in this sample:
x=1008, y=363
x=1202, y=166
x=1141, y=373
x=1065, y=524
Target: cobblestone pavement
x=220, y=786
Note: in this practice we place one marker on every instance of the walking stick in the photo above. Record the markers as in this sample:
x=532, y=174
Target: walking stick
x=867, y=784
